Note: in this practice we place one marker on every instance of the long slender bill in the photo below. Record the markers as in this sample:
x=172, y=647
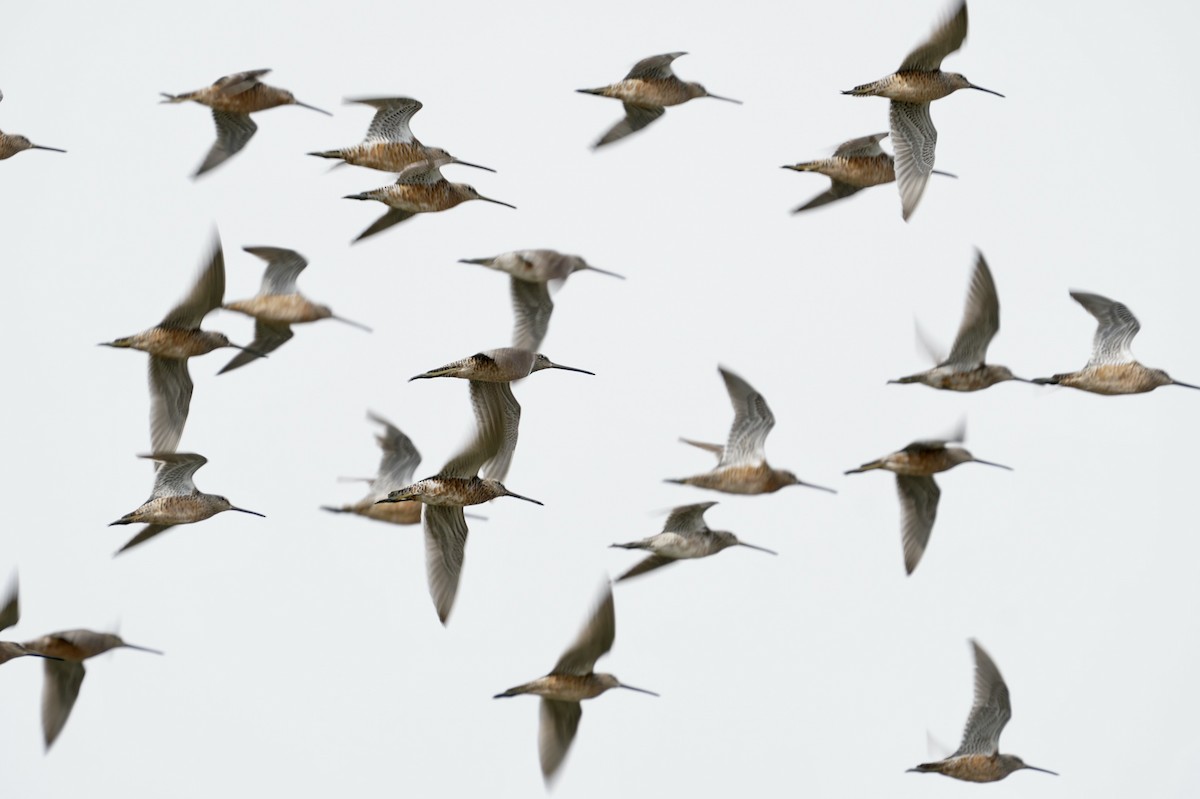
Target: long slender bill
x=142, y=649
x=989, y=463
x=571, y=369
x=352, y=323
x=44, y=147
x=1185, y=385
x=251, y=512
x=639, y=690
x=497, y=202
x=760, y=549
x=989, y=91
x=508, y=493
x=476, y=166
x=726, y=99
x=313, y=108
x=813, y=485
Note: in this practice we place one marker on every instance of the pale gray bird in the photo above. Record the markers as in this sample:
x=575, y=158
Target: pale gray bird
x=684, y=535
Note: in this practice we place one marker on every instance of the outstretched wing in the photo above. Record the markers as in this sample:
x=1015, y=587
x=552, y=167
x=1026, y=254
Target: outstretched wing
x=981, y=320
x=636, y=118
x=942, y=42
x=595, y=639
x=990, y=711
x=656, y=67
x=1116, y=329
x=60, y=689
x=556, y=730
x=532, y=307
x=233, y=132
x=752, y=421
x=918, y=508
x=445, y=546
x=915, y=139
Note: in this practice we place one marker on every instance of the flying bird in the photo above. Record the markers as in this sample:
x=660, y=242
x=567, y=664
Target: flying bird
x=646, y=91
x=13, y=143
x=396, y=468
x=742, y=467
x=685, y=535
x=914, y=467
x=964, y=369
x=572, y=680
x=64, y=671
x=1112, y=368
x=533, y=272
x=175, y=498
x=978, y=758
x=918, y=82
x=10, y=614
x=278, y=305
x=233, y=99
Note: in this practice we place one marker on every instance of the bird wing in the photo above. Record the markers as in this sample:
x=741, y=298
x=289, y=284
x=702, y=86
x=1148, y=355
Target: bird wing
x=445, y=545
x=426, y=175
x=752, y=422
x=233, y=131
x=636, y=118
x=918, y=507
x=491, y=434
x=595, y=639
x=10, y=614
x=990, y=711
x=283, y=267
x=942, y=42
x=532, y=307
x=239, y=82
x=268, y=337
x=1116, y=330
x=656, y=67
x=556, y=730
x=687, y=519
x=207, y=294
x=837, y=191
x=399, y=461
x=60, y=689
x=646, y=565
x=392, y=114
x=174, y=476
x=981, y=320
x=499, y=403
x=146, y=534
x=170, y=398
x=862, y=147
x=394, y=216
x=914, y=139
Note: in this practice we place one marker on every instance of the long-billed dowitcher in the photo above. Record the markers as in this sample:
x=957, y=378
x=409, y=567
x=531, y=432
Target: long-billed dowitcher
x=458, y=484
x=743, y=467
x=422, y=191
x=532, y=271
x=10, y=614
x=390, y=145
x=855, y=165
x=978, y=758
x=964, y=369
x=233, y=99
x=685, y=535
x=64, y=673
x=175, y=339
x=175, y=498
x=918, y=82
x=278, y=305
x=490, y=374
x=646, y=91
x=914, y=467
x=13, y=143
x=1112, y=368
x=571, y=680
x=400, y=459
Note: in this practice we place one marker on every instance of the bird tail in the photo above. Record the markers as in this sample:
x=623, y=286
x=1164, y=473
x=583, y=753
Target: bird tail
x=332, y=509
x=520, y=689
x=600, y=91
x=176, y=98
x=341, y=154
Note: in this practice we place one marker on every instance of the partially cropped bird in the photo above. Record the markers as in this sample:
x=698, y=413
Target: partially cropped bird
x=396, y=468
x=978, y=758
x=10, y=614
x=13, y=143
x=233, y=99
x=646, y=91
x=685, y=535
x=572, y=680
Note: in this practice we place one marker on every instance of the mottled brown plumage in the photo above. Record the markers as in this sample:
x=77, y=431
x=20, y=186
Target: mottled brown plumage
x=422, y=192
x=13, y=143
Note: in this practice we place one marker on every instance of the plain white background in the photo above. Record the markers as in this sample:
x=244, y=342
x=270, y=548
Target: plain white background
x=303, y=653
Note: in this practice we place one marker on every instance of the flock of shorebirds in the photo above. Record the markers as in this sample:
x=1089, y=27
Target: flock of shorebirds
x=475, y=474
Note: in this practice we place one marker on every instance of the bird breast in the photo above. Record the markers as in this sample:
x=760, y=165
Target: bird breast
x=259, y=97
x=916, y=87
x=386, y=156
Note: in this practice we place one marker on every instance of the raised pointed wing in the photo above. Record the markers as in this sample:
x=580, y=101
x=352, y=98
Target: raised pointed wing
x=283, y=267
x=268, y=337
x=836, y=191
x=1116, y=329
x=60, y=689
x=636, y=118
x=688, y=519
x=646, y=565
x=918, y=508
x=399, y=461
x=594, y=640
x=752, y=421
x=445, y=545
x=170, y=398
x=239, y=82
x=981, y=320
x=500, y=404
x=557, y=725
x=862, y=147
x=207, y=294
x=942, y=42
x=174, y=476
x=656, y=67
x=915, y=139
x=10, y=613
x=233, y=132
x=990, y=711
x=392, y=115
x=532, y=307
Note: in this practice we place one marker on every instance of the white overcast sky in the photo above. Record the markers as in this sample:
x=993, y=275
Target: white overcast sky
x=304, y=657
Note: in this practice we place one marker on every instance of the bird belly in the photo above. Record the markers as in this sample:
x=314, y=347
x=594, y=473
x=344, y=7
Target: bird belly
x=914, y=87
x=860, y=171
x=283, y=308
x=974, y=768
x=652, y=93
x=1113, y=379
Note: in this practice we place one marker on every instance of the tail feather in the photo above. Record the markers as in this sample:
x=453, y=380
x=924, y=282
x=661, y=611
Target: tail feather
x=330, y=154
x=517, y=691
x=175, y=98
x=332, y=509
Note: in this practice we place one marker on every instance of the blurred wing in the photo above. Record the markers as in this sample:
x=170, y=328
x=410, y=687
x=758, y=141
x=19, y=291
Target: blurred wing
x=268, y=337
x=914, y=138
x=837, y=191
x=239, y=82
x=394, y=216
x=636, y=118
x=497, y=415
x=207, y=294
x=532, y=307
x=445, y=546
x=647, y=565
x=556, y=730
x=174, y=477
x=283, y=267
x=390, y=122
x=942, y=42
x=688, y=519
x=864, y=147
x=656, y=67
x=233, y=131
x=59, y=691
x=981, y=320
x=10, y=614
x=918, y=508
x=752, y=421
x=146, y=534
x=170, y=398
x=1116, y=330
x=990, y=711
x=594, y=640
x=399, y=462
